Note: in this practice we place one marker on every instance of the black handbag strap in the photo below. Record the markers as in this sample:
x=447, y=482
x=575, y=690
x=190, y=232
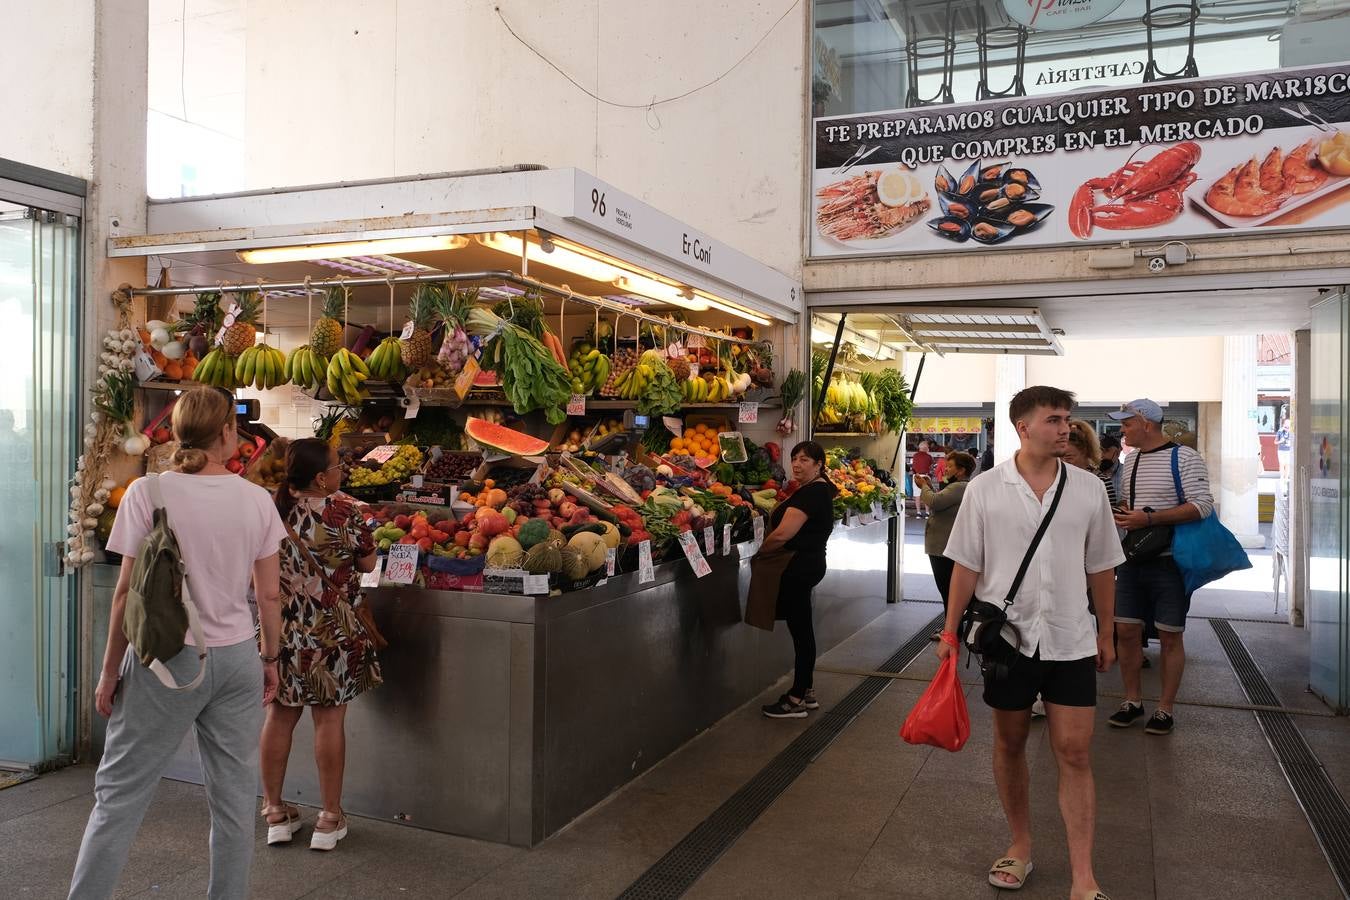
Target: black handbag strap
x=1040, y=533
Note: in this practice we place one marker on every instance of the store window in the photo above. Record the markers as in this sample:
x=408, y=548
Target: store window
x=871, y=55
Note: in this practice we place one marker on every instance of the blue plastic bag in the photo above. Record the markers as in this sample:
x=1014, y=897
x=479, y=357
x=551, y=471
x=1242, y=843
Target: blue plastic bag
x=1204, y=551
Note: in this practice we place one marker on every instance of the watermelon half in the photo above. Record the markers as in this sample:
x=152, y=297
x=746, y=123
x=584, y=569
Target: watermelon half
x=507, y=440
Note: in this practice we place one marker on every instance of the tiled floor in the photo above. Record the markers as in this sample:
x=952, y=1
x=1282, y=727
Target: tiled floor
x=1205, y=813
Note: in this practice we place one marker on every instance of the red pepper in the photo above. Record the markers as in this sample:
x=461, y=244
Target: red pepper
x=774, y=450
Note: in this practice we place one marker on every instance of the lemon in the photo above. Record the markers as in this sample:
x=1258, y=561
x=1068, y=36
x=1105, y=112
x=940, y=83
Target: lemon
x=897, y=187
x=1334, y=154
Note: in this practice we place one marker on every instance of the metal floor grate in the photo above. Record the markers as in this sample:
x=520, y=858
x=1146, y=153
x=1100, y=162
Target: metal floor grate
x=1322, y=803
x=685, y=863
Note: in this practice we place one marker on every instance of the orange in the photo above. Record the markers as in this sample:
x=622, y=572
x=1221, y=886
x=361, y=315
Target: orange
x=115, y=496
x=677, y=444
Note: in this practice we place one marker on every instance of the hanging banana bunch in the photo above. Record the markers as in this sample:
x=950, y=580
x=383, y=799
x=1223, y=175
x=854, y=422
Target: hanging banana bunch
x=261, y=366
x=346, y=372
x=216, y=369
x=306, y=368
x=386, y=361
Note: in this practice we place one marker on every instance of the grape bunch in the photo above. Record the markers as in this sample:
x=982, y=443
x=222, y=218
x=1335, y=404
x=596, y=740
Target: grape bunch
x=396, y=470
x=452, y=467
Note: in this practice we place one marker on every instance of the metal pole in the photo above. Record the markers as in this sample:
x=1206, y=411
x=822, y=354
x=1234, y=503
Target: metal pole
x=829, y=370
x=900, y=442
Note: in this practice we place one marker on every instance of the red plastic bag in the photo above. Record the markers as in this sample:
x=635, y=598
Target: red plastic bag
x=940, y=718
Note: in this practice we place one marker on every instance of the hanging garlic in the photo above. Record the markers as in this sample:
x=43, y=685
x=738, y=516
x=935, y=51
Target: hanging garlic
x=108, y=484
x=96, y=417
x=126, y=334
x=94, y=509
x=72, y=529
x=87, y=556
x=102, y=494
x=126, y=365
x=129, y=347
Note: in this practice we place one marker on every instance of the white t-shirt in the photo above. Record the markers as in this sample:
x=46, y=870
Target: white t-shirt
x=223, y=524
x=998, y=518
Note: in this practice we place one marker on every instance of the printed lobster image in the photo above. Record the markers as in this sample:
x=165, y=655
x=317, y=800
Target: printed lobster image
x=1147, y=193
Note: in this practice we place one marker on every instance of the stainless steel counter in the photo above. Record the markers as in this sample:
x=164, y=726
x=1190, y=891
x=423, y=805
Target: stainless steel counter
x=505, y=717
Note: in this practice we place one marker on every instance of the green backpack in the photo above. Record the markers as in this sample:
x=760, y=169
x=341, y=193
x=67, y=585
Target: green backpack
x=159, y=608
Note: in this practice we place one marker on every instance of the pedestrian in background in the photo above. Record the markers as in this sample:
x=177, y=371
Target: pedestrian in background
x=921, y=463
x=944, y=501
x=1059, y=649
x=1109, y=467
x=228, y=532
x=327, y=655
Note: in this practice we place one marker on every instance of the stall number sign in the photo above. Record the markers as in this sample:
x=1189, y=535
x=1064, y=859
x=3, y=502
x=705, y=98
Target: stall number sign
x=576, y=405
x=646, y=571
x=402, y=565
x=381, y=454
x=689, y=544
x=748, y=413
x=371, y=579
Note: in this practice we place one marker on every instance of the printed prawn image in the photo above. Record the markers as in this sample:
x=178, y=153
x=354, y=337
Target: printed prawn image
x=1264, y=187
x=869, y=206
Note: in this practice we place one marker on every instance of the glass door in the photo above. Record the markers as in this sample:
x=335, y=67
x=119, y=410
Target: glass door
x=1325, y=476
x=39, y=280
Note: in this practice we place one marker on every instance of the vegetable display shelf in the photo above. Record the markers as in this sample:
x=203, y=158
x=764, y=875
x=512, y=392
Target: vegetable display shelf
x=500, y=719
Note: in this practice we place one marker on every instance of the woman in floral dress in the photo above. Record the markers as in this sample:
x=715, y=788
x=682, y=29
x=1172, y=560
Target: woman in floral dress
x=327, y=655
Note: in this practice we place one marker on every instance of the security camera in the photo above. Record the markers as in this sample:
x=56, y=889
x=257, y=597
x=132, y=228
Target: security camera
x=1157, y=264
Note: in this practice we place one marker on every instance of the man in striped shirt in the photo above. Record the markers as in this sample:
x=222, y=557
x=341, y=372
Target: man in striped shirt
x=1152, y=589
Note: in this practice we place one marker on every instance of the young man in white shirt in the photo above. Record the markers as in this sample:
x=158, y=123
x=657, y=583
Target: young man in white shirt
x=1061, y=649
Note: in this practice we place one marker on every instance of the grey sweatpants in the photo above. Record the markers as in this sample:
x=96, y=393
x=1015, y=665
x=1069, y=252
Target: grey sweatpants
x=147, y=725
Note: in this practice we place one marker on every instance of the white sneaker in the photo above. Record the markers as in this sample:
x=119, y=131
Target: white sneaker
x=328, y=840
x=1038, y=709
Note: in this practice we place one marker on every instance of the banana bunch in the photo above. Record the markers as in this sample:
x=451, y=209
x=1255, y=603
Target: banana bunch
x=634, y=381
x=306, y=368
x=589, y=369
x=262, y=366
x=215, y=369
x=346, y=372
x=386, y=362
x=695, y=390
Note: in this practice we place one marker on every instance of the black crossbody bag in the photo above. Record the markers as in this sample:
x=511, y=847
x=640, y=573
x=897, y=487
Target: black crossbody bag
x=1150, y=541
x=984, y=628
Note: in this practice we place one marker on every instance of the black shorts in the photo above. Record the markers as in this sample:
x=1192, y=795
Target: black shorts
x=1068, y=683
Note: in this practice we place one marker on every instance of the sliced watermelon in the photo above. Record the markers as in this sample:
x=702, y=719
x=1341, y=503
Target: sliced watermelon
x=484, y=378
x=505, y=439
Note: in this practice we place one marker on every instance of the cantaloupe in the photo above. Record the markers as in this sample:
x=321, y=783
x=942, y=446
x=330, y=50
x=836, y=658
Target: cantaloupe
x=591, y=548
x=505, y=552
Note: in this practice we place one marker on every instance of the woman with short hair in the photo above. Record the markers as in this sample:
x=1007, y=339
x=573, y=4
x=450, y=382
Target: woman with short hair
x=944, y=501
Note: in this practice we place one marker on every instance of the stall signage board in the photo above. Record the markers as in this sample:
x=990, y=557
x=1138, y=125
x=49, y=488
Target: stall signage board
x=646, y=571
x=946, y=425
x=609, y=209
x=402, y=565
x=1059, y=15
x=1032, y=171
x=689, y=544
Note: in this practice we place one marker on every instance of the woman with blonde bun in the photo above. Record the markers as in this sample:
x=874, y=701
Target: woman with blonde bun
x=228, y=532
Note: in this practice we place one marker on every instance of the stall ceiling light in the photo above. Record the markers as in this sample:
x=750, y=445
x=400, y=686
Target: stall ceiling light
x=729, y=307
x=658, y=290
x=384, y=247
x=560, y=258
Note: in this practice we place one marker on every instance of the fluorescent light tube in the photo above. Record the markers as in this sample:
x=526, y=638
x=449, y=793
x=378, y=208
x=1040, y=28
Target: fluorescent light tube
x=383, y=247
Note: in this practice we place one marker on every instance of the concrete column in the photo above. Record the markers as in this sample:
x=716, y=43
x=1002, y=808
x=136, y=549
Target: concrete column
x=1010, y=376
x=116, y=206
x=1300, y=417
x=1239, y=462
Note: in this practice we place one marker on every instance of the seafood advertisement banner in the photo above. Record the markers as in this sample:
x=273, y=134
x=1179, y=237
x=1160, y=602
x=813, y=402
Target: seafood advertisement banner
x=1208, y=156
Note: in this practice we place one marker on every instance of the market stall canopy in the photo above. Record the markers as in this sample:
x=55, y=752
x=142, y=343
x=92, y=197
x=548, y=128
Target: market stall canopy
x=560, y=226
x=943, y=329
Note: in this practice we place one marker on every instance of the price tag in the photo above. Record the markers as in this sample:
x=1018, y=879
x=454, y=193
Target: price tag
x=406, y=332
x=866, y=519
x=418, y=481
x=646, y=572
x=673, y=425
x=504, y=581
x=876, y=510
x=695, y=342
x=464, y=380
x=381, y=454
x=413, y=408
x=709, y=540
x=726, y=539
x=454, y=494
x=143, y=365
x=675, y=351
x=758, y=525
x=402, y=565
x=748, y=413
x=536, y=584
x=693, y=370
x=689, y=544
x=611, y=557
x=371, y=579
x=576, y=405
x=849, y=520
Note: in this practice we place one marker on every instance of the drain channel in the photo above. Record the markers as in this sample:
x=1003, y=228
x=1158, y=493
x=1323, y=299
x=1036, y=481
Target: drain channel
x=1317, y=795
x=673, y=874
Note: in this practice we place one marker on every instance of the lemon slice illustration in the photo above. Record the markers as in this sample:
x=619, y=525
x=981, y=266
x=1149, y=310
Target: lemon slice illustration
x=896, y=188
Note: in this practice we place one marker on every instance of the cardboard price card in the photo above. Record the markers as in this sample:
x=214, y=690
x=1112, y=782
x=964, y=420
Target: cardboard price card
x=758, y=524
x=689, y=544
x=747, y=413
x=646, y=571
x=381, y=454
x=611, y=556
x=402, y=565
x=371, y=579
x=726, y=540
x=576, y=405
x=709, y=540
x=464, y=380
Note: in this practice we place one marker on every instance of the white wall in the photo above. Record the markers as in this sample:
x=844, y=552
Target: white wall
x=353, y=89
x=1170, y=370
x=47, y=68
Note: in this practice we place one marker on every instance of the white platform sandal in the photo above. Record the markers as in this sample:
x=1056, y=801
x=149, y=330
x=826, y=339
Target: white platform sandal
x=281, y=832
x=328, y=840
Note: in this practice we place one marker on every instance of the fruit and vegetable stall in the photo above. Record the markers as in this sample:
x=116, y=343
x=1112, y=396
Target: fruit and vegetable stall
x=550, y=511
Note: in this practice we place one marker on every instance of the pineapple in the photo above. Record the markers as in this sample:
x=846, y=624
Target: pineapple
x=422, y=308
x=243, y=333
x=326, y=339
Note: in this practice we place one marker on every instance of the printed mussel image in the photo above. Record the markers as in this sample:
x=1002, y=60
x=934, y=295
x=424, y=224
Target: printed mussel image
x=988, y=202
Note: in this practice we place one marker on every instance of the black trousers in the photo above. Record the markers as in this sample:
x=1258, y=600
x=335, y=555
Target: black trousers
x=794, y=607
x=942, y=574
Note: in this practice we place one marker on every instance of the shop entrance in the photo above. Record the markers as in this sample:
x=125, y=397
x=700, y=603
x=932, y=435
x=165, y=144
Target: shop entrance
x=39, y=277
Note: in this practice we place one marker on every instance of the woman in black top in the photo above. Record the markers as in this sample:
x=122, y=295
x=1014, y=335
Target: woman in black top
x=802, y=523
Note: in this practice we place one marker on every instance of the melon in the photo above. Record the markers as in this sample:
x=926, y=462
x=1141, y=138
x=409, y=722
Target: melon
x=590, y=547
x=543, y=559
x=504, y=552
x=573, y=565
x=611, y=537
x=505, y=439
